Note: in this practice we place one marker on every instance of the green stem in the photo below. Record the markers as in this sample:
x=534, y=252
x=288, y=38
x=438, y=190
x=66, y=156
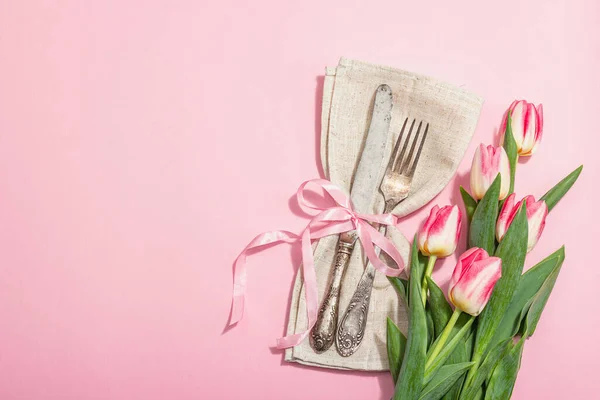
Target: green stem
x=428, y=272
x=472, y=370
x=511, y=146
x=513, y=173
x=443, y=338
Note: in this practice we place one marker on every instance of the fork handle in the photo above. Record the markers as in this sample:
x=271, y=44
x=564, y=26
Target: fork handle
x=322, y=334
x=351, y=329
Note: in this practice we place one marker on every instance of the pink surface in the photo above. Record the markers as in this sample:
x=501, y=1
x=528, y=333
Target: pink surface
x=130, y=130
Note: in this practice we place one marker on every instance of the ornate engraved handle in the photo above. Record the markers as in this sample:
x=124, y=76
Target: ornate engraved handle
x=322, y=334
x=351, y=330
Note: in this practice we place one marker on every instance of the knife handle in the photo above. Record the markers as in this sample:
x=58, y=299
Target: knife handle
x=322, y=334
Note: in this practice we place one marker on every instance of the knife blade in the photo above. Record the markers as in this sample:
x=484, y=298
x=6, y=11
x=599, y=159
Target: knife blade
x=364, y=184
x=366, y=180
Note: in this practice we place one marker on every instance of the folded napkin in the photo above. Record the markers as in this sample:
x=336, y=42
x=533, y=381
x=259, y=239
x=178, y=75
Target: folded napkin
x=348, y=95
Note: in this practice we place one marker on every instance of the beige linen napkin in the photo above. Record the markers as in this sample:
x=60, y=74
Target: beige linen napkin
x=347, y=101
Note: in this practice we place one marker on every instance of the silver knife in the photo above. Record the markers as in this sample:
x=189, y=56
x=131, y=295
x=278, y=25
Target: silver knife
x=364, y=185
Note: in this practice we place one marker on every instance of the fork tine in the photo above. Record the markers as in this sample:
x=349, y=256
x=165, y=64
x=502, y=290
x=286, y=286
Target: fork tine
x=411, y=171
x=400, y=158
x=394, y=154
x=406, y=160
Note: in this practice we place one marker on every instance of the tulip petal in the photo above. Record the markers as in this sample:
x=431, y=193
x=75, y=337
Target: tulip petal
x=540, y=124
x=439, y=234
x=467, y=258
x=488, y=162
x=472, y=292
x=530, y=130
x=518, y=118
x=507, y=215
x=504, y=169
x=536, y=219
x=443, y=232
x=527, y=122
x=424, y=232
x=478, y=188
x=505, y=119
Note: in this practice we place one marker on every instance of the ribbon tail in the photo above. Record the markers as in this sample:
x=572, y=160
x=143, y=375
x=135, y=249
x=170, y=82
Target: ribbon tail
x=291, y=340
x=239, y=290
x=310, y=291
x=239, y=269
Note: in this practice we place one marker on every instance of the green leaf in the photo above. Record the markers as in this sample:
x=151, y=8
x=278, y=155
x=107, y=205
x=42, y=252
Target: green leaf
x=410, y=381
x=396, y=344
x=485, y=370
x=470, y=340
x=503, y=378
x=539, y=302
x=430, y=329
x=444, y=380
x=482, y=232
x=458, y=356
x=440, y=309
x=512, y=250
x=469, y=345
x=479, y=395
x=448, y=349
x=511, y=150
x=529, y=284
x=553, y=196
x=422, y=260
x=470, y=203
x=401, y=286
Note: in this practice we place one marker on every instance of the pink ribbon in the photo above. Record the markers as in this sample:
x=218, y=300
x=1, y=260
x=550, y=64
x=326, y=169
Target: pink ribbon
x=329, y=221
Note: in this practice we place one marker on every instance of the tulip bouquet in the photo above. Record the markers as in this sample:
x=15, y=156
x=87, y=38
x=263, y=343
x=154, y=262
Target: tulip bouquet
x=469, y=346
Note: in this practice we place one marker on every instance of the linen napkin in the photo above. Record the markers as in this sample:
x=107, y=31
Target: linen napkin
x=348, y=95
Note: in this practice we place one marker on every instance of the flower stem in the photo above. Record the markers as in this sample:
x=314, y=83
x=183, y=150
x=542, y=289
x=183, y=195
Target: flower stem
x=428, y=271
x=472, y=370
x=443, y=338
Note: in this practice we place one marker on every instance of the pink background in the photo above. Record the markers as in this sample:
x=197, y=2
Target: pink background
x=144, y=143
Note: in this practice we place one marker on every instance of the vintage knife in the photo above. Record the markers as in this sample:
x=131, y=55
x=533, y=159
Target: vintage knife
x=365, y=183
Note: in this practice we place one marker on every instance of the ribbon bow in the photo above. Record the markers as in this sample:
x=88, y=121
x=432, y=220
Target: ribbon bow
x=329, y=221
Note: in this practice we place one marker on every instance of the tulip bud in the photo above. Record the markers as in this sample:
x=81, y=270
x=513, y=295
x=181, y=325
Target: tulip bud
x=473, y=280
x=536, y=218
x=527, y=123
x=439, y=234
x=488, y=162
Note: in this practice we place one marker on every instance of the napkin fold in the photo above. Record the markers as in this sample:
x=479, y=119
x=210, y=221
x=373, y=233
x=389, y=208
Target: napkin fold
x=348, y=94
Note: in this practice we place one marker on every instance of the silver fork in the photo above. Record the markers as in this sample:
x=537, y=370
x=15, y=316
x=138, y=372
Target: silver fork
x=395, y=187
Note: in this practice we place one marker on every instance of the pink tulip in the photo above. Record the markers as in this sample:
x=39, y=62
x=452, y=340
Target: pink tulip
x=536, y=218
x=439, y=235
x=488, y=162
x=527, y=125
x=473, y=280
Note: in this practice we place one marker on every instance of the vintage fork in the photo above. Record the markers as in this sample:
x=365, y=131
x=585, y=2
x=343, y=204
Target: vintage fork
x=395, y=187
